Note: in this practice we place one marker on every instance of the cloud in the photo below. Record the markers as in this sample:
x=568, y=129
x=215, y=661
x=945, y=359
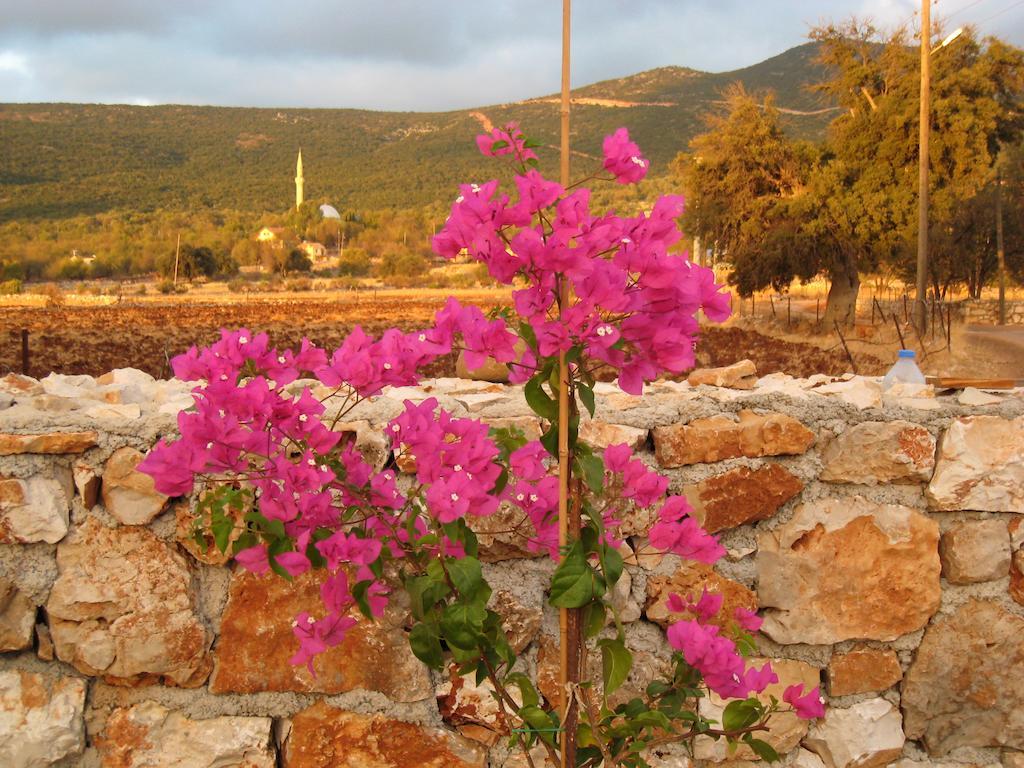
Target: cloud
x=389, y=54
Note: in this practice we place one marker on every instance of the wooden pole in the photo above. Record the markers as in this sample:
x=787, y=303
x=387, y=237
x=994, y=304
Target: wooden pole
x=920, y=311
x=1000, y=253
x=177, y=250
x=24, y=351
x=568, y=620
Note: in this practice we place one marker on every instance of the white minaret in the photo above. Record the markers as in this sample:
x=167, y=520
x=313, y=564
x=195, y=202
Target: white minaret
x=298, y=182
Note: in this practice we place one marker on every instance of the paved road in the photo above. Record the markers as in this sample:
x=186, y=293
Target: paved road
x=1003, y=344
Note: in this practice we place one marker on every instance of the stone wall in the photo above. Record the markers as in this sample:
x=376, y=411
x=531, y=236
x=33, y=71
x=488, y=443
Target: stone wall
x=987, y=311
x=882, y=539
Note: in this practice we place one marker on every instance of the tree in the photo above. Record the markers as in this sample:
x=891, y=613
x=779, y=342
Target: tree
x=293, y=260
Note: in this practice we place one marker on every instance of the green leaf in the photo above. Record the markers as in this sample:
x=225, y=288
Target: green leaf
x=466, y=576
x=526, y=690
x=426, y=646
x=594, y=618
x=657, y=687
x=462, y=625
x=740, y=714
x=593, y=471
x=360, y=595
x=550, y=439
x=531, y=144
x=499, y=144
x=616, y=661
x=575, y=582
x=539, y=720
x=540, y=402
x=587, y=398
x=611, y=561
x=221, y=526
x=271, y=529
x=527, y=334
x=762, y=749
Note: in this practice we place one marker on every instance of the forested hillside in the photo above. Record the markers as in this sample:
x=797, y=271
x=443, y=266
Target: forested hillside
x=64, y=160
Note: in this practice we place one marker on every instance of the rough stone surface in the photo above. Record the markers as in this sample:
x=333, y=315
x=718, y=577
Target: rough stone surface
x=975, y=551
x=719, y=437
x=980, y=466
x=520, y=622
x=848, y=568
x=785, y=728
x=324, y=737
x=1013, y=759
x=87, y=483
x=129, y=495
x=505, y=535
x=34, y=509
x=40, y=719
x=880, y=452
x=863, y=670
x=371, y=443
x=51, y=442
x=123, y=607
x=741, y=375
x=19, y=386
x=966, y=685
x=17, y=618
x=461, y=701
x=741, y=495
x=256, y=642
x=491, y=370
x=865, y=735
x=149, y=734
x=601, y=434
x=690, y=581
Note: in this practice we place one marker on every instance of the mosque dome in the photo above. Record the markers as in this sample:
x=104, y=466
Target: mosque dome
x=329, y=212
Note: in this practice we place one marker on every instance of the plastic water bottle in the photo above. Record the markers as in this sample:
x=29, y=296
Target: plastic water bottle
x=904, y=371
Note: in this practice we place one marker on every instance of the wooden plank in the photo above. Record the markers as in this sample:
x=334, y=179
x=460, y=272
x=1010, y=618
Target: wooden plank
x=955, y=382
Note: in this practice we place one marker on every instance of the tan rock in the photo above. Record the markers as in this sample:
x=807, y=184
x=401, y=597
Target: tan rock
x=129, y=495
x=44, y=643
x=690, y=581
x=647, y=667
x=848, y=568
x=975, y=551
x=741, y=495
x=87, y=483
x=149, y=734
x=601, y=434
x=528, y=425
x=491, y=370
x=863, y=670
x=123, y=607
x=980, y=466
x=461, y=701
x=1013, y=759
x=41, y=719
x=741, y=375
x=51, y=442
x=17, y=618
x=18, y=386
x=324, y=737
x=719, y=437
x=1017, y=576
x=256, y=643
x=505, y=535
x=865, y=735
x=785, y=729
x=34, y=509
x=965, y=687
x=520, y=622
x=643, y=554
x=371, y=443
x=880, y=452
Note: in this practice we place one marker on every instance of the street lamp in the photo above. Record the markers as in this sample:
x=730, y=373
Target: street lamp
x=920, y=306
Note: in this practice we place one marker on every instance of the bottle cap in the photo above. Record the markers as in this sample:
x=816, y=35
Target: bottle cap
x=909, y=353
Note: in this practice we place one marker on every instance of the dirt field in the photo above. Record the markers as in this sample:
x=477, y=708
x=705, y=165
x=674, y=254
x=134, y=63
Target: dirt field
x=147, y=334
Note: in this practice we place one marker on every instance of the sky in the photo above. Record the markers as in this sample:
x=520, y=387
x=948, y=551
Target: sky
x=421, y=55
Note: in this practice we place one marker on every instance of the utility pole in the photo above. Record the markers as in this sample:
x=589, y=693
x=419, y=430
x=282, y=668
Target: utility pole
x=1000, y=253
x=177, y=252
x=920, y=314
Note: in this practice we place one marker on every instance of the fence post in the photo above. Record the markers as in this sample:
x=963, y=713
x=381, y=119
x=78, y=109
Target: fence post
x=24, y=351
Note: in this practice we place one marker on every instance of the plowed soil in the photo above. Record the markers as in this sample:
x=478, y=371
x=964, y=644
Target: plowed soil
x=96, y=339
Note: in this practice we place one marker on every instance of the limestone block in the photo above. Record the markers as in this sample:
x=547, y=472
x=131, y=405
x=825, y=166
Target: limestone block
x=87, y=483
x=860, y=392
x=1016, y=530
x=34, y=509
x=40, y=719
x=601, y=434
x=965, y=687
x=741, y=495
x=17, y=618
x=528, y=425
x=371, y=443
x=461, y=701
x=785, y=729
x=129, y=495
x=491, y=370
x=865, y=735
x=690, y=581
x=975, y=551
x=149, y=734
x=256, y=643
x=123, y=607
x=719, y=437
x=520, y=622
x=739, y=375
x=505, y=535
x=880, y=452
x=863, y=670
x=50, y=442
x=980, y=466
x=324, y=737
x=19, y=387
x=848, y=568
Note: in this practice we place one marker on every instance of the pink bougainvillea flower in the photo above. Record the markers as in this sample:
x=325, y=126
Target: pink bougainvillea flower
x=807, y=706
x=622, y=157
x=748, y=620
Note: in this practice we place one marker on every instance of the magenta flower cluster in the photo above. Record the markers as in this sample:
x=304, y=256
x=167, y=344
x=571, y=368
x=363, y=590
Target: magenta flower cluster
x=255, y=425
